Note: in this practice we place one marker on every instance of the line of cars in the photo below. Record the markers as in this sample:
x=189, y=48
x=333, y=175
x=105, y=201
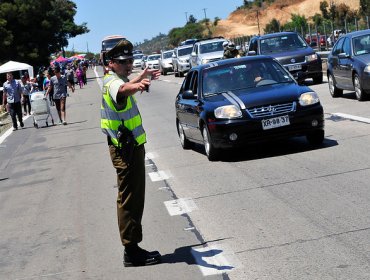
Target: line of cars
x=229, y=103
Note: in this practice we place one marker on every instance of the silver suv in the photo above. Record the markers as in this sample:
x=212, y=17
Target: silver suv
x=180, y=59
x=165, y=62
x=207, y=50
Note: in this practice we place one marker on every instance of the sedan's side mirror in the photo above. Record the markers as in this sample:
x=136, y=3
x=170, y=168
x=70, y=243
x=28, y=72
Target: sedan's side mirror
x=188, y=94
x=173, y=56
x=343, y=55
x=252, y=53
x=193, y=54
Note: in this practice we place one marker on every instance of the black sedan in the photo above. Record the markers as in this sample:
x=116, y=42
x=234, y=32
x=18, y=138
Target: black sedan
x=349, y=65
x=233, y=102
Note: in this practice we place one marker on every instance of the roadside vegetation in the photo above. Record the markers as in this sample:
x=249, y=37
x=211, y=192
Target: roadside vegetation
x=31, y=31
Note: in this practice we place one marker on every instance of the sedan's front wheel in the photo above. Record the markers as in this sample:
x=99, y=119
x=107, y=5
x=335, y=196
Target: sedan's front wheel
x=211, y=152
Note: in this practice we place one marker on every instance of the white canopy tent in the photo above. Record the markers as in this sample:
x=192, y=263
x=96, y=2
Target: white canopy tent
x=12, y=66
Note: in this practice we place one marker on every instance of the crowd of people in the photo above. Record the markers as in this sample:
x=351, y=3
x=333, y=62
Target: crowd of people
x=55, y=81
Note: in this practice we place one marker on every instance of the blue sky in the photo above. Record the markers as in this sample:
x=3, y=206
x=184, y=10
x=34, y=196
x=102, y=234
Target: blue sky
x=140, y=20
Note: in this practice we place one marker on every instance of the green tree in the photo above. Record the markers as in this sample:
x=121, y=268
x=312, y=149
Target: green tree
x=365, y=7
x=190, y=30
x=32, y=30
x=192, y=19
x=324, y=9
x=318, y=19
x=272, y=26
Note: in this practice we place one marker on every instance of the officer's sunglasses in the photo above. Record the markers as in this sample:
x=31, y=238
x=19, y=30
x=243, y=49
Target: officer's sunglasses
x=124, y=61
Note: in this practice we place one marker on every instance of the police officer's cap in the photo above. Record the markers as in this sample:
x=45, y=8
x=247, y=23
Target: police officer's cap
x=122, y=50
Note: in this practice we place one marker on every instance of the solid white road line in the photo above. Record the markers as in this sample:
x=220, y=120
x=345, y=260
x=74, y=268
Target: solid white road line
x=180, y=206
x=351, y=117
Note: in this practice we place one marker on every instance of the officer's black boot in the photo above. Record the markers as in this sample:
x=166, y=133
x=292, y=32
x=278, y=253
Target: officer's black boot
x=136, y=256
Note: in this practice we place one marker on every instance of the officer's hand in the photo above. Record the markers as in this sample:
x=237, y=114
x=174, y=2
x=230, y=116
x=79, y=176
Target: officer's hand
x=154, y=73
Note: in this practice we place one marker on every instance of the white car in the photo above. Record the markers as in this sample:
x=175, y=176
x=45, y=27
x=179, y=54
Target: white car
x=207, y=50
x=165, y=62
x=152, y=61
x=137, y=60
x=143, y=61
x=180, y=60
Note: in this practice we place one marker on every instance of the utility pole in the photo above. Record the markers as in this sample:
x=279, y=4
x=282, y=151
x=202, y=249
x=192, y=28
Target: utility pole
x=258, y=23
x=87, y=47
x=205, y=15
x=186, y=16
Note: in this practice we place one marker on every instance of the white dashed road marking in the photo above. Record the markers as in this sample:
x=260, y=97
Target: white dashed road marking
x=180, y=206
x=158, y=176
x=211, y=260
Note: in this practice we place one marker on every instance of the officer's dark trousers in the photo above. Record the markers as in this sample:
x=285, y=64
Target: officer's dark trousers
x=131, y=194
x=15, y=110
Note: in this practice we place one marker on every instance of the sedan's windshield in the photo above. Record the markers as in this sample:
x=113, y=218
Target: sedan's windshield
x=361, y=44
x=154, y=57
x=186, y=51
x=282, y=43
x=168, y=54
x=211, y=47
x=249, y=74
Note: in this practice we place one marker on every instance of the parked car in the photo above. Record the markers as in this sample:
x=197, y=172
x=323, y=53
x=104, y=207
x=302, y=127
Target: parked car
x=312, y=40
x=165, y=62
x=207, y=50
x=143, y=62
x=349, y=65
x=152, y=61
x=180, y=59
x=237, y=101
x=137, y=60
x=292, y=51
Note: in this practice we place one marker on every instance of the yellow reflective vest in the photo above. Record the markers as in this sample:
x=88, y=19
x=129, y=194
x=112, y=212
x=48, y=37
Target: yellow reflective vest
x=111, y=118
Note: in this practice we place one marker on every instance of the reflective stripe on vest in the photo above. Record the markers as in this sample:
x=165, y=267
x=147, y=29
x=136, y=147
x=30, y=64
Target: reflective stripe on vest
x=111, y=118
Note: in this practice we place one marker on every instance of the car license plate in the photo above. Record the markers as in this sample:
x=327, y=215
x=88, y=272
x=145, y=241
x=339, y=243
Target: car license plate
x=275, y=122
x=295, y=67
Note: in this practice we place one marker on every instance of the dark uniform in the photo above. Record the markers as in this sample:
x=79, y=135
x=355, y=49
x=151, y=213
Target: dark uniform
x=231, y=53
x=121, y=122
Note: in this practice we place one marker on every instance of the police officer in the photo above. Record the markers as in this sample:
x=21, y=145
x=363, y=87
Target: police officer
x=121, y=122
x=231, y=51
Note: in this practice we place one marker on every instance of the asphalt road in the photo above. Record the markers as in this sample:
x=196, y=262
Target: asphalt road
x=272, y=211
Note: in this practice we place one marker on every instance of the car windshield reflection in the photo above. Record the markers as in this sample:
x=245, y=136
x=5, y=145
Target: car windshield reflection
x=282, y=43
x=243, y=76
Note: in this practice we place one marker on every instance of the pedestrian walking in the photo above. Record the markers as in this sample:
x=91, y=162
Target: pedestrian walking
x=59, y=83
x=70, y=73
x=79, y=75
x=13, y=95
x=26, y=88
x=121, y=122
x=46, y=84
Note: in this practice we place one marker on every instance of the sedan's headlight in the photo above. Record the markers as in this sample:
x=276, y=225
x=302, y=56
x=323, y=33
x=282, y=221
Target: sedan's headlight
x=309, y=98
x=367, y=69
x=182, y=60
x=204, y=61
x=228, y=112
x=311, y=57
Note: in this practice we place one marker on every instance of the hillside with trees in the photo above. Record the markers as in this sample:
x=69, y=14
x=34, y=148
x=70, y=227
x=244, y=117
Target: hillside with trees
x=266, y=16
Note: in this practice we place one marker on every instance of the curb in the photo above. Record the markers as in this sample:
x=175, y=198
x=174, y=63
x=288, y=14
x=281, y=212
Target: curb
x=3, y=115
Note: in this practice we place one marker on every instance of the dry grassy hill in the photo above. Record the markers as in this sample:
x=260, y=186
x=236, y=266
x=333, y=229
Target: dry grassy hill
x=244, y=22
